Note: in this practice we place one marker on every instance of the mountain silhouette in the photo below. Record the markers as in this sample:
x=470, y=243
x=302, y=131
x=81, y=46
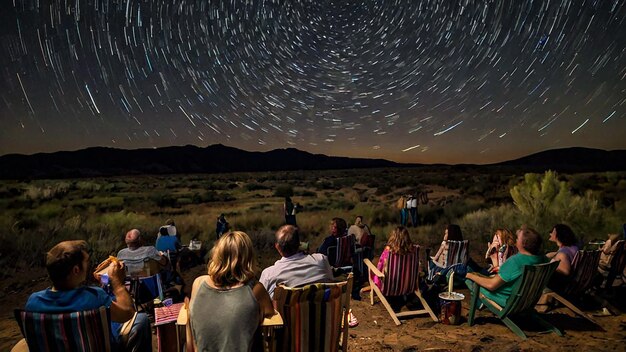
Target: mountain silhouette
x=100, y=161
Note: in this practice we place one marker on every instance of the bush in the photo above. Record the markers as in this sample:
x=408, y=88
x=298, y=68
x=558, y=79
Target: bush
x=545, y=201
x=283, y=191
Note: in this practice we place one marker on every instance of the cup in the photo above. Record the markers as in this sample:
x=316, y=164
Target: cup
x=450, y=303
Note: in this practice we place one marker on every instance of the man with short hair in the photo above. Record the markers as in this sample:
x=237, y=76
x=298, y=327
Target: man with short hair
x=499, y=287
x=136, y=253
x=68, y=265
x=294, y=268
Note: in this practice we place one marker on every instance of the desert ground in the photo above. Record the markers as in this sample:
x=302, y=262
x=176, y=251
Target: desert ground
x=39, y=213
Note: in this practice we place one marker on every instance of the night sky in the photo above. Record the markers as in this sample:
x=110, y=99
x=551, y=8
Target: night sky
x=411, y=81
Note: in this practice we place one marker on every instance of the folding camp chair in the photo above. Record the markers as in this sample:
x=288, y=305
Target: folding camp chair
x=527, y=290
x=88, y=330
x=400, y=277
x=458, y=255
x=585, y=268
x=342, y=254
x=315, y=316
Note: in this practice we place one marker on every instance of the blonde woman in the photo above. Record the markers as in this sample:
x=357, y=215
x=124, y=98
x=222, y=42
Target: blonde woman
x=227, y=305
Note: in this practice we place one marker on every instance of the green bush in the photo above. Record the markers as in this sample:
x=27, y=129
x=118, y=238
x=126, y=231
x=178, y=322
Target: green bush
x=545, y=201
x=283, y=190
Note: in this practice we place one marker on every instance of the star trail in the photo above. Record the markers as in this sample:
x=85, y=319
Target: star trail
x=412, y=81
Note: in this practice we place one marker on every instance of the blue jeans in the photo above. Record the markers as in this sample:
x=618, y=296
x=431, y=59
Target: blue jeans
x=404, y=216
x=139, y=337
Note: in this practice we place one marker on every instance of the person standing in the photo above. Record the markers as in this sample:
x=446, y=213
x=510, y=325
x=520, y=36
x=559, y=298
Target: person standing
x=221, y=227
x=290, y=212
x=401, y=206
x=412, y=207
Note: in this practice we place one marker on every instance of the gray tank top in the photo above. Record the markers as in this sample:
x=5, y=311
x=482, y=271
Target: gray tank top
x=224, y=320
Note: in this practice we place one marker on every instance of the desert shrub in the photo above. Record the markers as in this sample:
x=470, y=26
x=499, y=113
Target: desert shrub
x=545, y=201
x=183, y=201
x=163, y=199
x=48, y=211
x=283, y=190
x=479, y=226
x=306, y=193
x=253, y=186
x=46, y=191
x=88, y=186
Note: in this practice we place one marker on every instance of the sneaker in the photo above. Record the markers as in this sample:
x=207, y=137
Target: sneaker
x=352, y=321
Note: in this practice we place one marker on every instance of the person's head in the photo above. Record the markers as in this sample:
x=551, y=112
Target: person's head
x=67, y=264
x=506, y=237
x=287, y=199
x=338, y=227
x=170, y=222
x=133, y=239
x=563, y=234
x=528, y=240
x=232, y=259
x=453, y=233
x=613, y=237
x=358, y=221
x=287, y=240
x=400, y=241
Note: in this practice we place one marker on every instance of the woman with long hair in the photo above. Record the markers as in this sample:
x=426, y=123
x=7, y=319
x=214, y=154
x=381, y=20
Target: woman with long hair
x=501, y=247
x=451, y=233
x=228, y=305
x=399, y=242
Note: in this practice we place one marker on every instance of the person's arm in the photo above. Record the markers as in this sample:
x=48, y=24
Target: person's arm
x=489, y=282
x=191, y=344
x=122, y=308
x=265, y=303
x=440, y=251
x=564, y=267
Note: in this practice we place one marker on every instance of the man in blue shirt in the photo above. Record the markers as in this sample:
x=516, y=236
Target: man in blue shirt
x=68, y=266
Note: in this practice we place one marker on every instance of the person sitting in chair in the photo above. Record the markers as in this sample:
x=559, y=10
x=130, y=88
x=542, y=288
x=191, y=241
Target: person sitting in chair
x=68, y=265
x=498, y=287
x=294, y=268
x=136, y=253
x=338, y=228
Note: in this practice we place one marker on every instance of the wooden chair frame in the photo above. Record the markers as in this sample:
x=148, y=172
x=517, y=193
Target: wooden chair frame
x=388, y=278
x=526, y=292
x=585, y=268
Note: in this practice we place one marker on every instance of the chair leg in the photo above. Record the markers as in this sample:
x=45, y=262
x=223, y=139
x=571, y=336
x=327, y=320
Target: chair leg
x=426, y=306
x=546, y=324
x=508, y=322
x=473, y=304
x=573, y=308
x=383, y=300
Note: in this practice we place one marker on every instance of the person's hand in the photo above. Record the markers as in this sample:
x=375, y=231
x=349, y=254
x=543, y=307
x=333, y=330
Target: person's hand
x=117, y=274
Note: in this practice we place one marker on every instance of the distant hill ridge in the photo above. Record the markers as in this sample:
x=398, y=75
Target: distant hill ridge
x=100, y=161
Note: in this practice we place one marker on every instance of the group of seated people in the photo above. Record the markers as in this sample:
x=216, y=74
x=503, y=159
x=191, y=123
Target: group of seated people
x=231, y=291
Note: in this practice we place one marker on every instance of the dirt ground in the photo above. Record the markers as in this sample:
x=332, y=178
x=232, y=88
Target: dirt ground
x=377, y=332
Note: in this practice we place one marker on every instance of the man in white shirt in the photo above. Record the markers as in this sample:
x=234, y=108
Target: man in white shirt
x=294, y=268
x=136, y=253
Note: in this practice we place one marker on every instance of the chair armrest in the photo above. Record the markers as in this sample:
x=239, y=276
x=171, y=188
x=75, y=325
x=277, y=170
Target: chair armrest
x=274, y=320
x=372, y=268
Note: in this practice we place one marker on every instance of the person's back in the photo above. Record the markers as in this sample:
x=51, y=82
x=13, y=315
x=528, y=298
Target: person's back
x=224, y=319
x=296, y=270
x=134, y=258
x=510, y=271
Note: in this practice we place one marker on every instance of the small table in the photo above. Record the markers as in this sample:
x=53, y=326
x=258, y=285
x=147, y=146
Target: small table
x=165, y=322
x=594, y=245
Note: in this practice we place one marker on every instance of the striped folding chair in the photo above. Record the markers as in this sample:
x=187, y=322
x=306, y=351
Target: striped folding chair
x=400, y=276
x=458, y=255
x=77, y=331
x=341, y=255
x=315, y=316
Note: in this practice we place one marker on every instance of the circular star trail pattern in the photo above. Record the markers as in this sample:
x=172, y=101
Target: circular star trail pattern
x=416, y=81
